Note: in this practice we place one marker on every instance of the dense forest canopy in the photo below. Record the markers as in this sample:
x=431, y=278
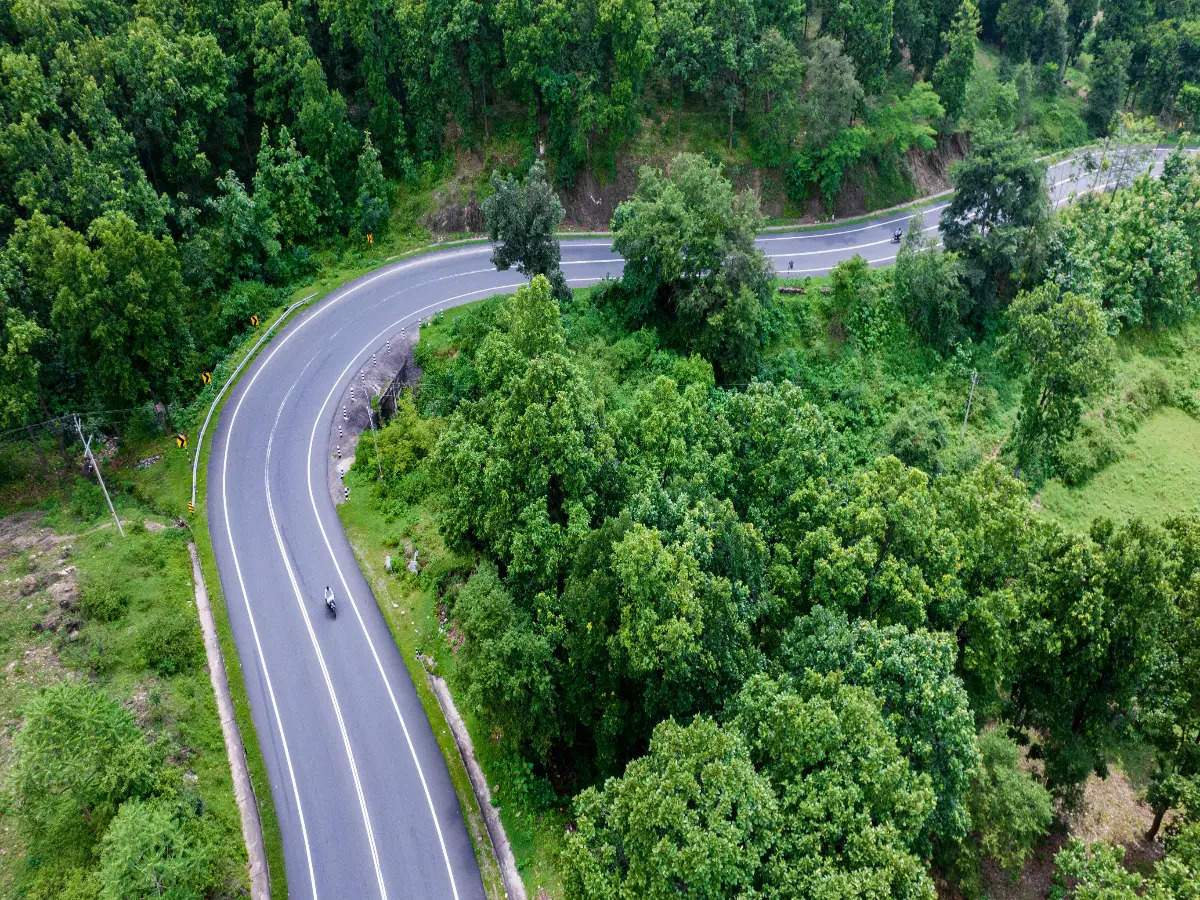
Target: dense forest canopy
x=160, y=162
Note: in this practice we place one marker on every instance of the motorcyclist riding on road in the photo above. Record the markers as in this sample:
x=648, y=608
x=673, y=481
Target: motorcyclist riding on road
x=329, y=600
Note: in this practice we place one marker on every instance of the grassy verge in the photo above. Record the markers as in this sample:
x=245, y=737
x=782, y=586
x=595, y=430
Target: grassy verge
x=67, y=552
x=166, y=486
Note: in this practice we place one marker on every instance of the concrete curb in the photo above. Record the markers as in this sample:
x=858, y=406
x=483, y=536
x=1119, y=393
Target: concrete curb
x=514, y=887
x=243, y=790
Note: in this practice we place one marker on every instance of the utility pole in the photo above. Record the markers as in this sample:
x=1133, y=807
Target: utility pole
x=87, y=448
x=971, y=396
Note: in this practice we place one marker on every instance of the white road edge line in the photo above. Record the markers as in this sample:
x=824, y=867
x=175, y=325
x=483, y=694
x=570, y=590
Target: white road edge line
x=312, y=635
x=329, y=303
x=262, y=660
x=414, y=314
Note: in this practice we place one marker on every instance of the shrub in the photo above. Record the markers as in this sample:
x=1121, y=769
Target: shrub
x=169, y=642
x=87, y=501
x=917, y=437
x=155, y=848
x=1009, y=809
x=104, y=599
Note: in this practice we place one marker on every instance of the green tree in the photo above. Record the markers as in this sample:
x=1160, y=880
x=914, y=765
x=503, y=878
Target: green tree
x=286, y=183
x=878, y=550
x=1110, y=79
x=688, y=242
x=685, y=49
x=519, y=465
x=244, y=234
x=1019, y=21
x=78, y=757
x=850, y=806
x=923, y=704
x=865, y=29
x=1010, y=811
x=1092, y=610
x=1080, y=15
x=929, y=287
x=833, y=95
x=775, y=89
x=1171, y=707
x=19, y=365
x=523, y=218
x=900, y=123
x=114, y=301
x=1062, y=340
x=506, y=668
x=692, y=816
x=996, y=219
x=155, y=848
x=1188, y=101
x=826, y=167
x=374, y=210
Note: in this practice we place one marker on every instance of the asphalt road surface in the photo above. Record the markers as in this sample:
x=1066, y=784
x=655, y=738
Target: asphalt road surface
x=363, y=795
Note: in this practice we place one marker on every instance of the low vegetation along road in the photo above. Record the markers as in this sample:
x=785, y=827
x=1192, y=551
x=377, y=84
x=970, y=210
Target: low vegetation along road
x=363, y=795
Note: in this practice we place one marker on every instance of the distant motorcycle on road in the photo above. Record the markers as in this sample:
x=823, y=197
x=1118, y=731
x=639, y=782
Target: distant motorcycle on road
x=329, y=601
x=897, y=235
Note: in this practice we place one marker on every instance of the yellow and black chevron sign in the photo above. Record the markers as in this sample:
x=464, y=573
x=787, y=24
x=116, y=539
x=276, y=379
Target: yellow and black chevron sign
x=206, y=377
x=191, y=507
x=181, y=440
x=254, y=321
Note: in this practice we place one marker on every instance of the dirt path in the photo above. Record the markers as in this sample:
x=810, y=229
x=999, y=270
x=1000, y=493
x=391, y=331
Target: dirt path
x=243, y=791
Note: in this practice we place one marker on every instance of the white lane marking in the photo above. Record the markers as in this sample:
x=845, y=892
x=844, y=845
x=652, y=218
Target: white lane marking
x=838, y=249
x=262, y=660
x=834, y=231
x=409, y=316
x=312, y=635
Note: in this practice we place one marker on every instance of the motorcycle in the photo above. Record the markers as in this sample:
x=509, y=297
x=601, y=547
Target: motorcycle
x=329, y=603
x=897, y=235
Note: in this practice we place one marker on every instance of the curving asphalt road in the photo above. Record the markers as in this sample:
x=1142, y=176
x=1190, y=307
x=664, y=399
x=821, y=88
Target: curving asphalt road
x=363, y=795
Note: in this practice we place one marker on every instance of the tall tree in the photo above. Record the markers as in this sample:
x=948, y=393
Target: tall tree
x=923, y=703
x=833, y=96
x=115, y=301
x=953, y=71
x=1092, y=613
x=374, y=210
x=692, y=816
x=523, y=218
x=689, y=244
x=865, y=29
x=1062, y=340
x=929, y=287
x=286, y=183
x=775, y=88
x=1080, y=16
x=1110, y=78
x=996, y=219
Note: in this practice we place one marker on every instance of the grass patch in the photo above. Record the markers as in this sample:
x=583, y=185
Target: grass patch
x=1156, y=478
x=47, y=635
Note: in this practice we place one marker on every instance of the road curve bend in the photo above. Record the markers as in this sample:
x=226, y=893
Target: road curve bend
x=363, y=796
